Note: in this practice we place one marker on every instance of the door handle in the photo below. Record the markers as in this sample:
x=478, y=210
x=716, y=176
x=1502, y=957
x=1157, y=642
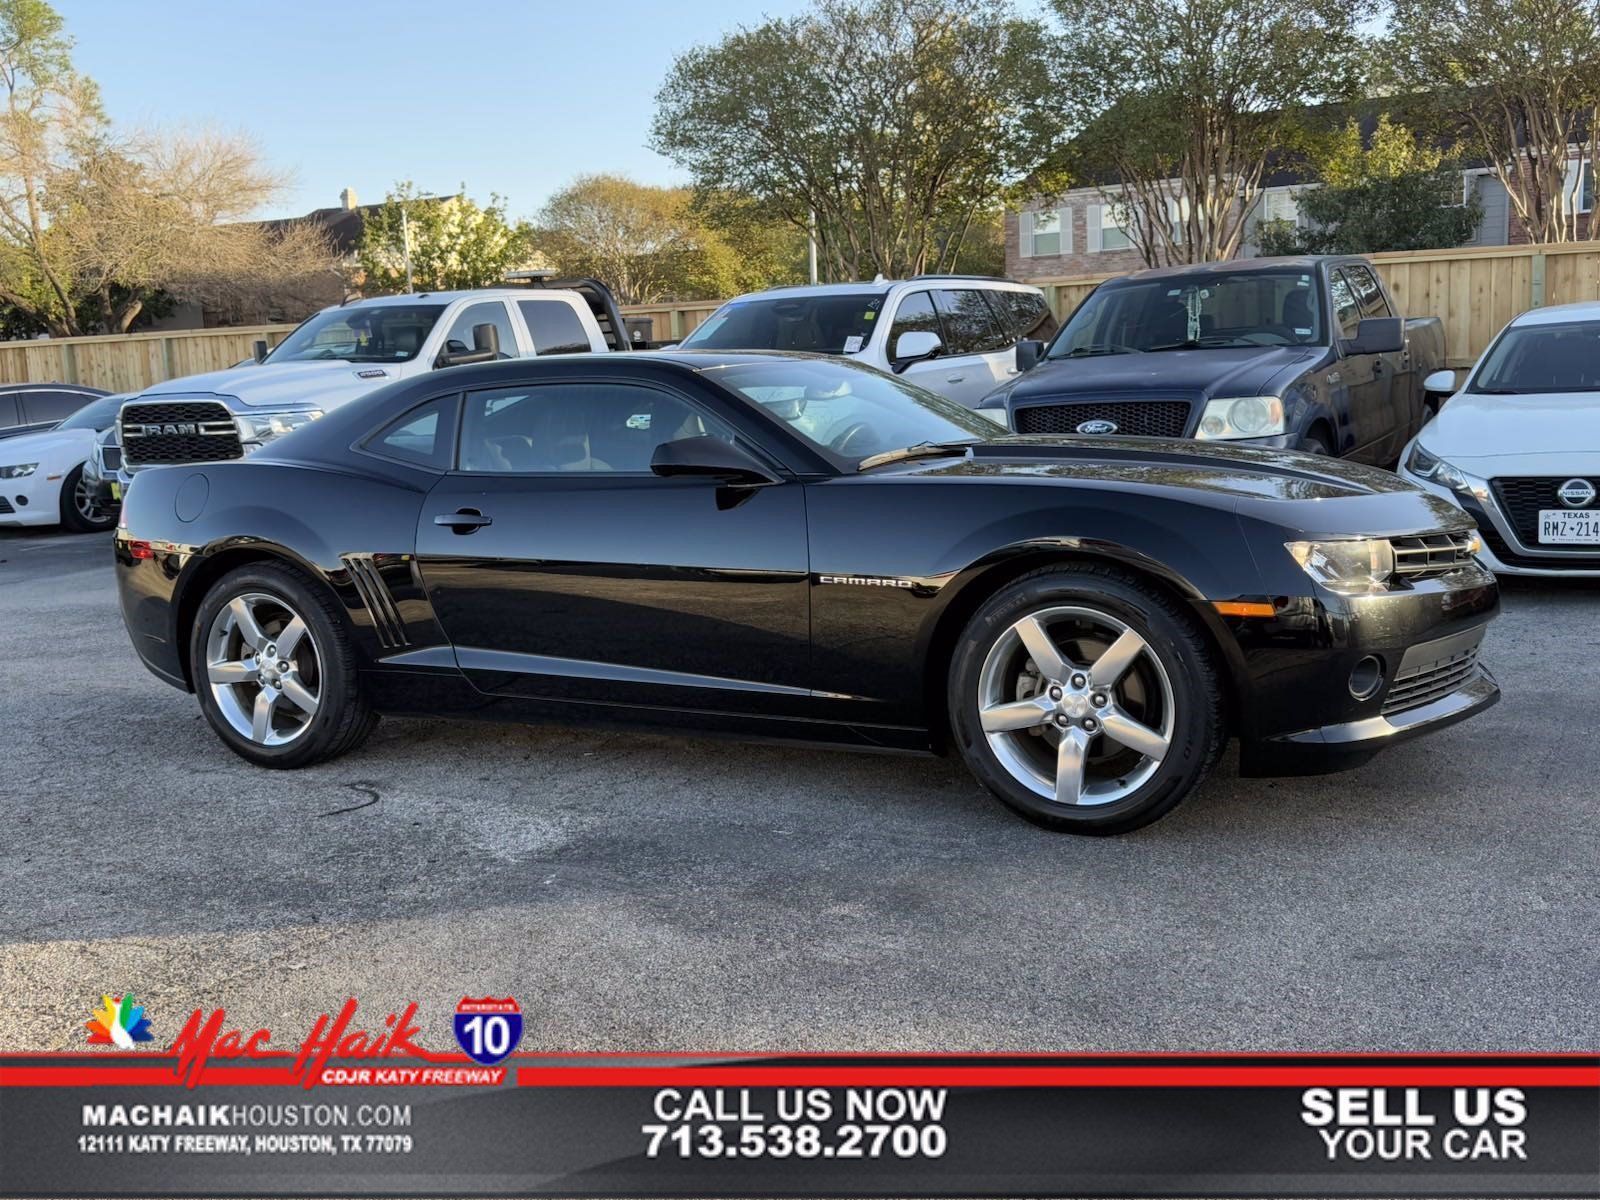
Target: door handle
x=463, y=520
x=1377, y=366
x=954, y=378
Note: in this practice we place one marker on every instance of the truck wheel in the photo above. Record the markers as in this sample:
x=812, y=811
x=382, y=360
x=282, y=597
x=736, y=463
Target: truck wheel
x=80, y=511
x=1085, y=700
x=274, y=669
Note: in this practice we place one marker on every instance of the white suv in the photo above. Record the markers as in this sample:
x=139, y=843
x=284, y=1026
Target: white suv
x=952, y=334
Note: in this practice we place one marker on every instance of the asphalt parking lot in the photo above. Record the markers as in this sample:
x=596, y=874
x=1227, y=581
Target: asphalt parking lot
x=641, y=892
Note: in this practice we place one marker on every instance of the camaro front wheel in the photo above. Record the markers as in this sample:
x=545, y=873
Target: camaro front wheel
x=274, y=669
x=1085, y=700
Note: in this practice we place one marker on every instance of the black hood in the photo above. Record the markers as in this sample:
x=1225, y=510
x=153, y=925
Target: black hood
x=1188, y=374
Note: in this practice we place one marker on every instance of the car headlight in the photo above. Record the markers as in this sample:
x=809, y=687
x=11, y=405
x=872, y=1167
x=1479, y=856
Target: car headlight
x=1245, y=417
x=20, y=471
x=1428, y=466
x=1358, y=567
x=262, y=427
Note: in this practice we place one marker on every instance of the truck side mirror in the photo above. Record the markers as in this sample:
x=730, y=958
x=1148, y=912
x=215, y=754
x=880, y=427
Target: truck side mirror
x=259, y=349
x=914, y=346
x=1029, y=352
x=485, y=348
x=1378, y=335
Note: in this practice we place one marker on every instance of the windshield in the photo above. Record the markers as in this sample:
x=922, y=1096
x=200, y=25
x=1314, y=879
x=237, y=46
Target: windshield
x=824, y=324
x=1247, y=308
x=98, y=415
x=1542, y=358
x=848, y=413
x=377, y=333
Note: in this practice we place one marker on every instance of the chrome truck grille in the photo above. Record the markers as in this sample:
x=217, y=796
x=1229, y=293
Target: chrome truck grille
x=188, y=431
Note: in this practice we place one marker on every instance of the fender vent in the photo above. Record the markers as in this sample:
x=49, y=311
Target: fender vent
x=368, y=581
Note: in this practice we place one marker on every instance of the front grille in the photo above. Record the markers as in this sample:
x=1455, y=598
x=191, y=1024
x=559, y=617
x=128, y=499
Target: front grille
x=5, y=505
x=1521, y=500
x=190, y=431
x=1430, y=681
x=111, y=457
x=1133, y=418
x=1431, y=555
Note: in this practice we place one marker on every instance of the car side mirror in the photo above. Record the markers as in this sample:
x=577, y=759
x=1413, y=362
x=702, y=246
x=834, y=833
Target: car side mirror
x=1378, y=335
x=485, y=348
x=1441, y=382
x=915, y=346
x=1029, y=352
x=259, y=349
x=711, y=458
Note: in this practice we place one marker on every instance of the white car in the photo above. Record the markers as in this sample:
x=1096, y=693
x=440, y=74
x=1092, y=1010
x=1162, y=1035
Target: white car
x=1518, y=446
x=41, y=474
x=955, y=335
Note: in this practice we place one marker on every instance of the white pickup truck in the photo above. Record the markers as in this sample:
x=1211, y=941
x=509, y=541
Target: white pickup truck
x=345, y=352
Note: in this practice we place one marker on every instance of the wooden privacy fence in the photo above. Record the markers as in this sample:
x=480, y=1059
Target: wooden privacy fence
x=1474, y=291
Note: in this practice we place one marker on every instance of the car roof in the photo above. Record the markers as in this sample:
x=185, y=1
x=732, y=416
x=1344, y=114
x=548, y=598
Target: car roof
x=1581, y=310
x=505, y=293
x=85, y=389
x=878, y=287
x=1238, y=266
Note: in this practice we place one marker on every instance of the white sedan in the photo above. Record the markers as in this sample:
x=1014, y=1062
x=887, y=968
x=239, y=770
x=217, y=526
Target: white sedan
x=41, y=474
x=1518, y=447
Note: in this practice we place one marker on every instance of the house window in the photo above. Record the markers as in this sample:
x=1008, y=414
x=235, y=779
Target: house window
x=1114, y=222
x=1580, y=193
x=1046, y=233
x=1280, y=204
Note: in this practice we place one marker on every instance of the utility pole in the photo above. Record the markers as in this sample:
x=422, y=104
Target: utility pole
x=405, y=244
x=811, y=247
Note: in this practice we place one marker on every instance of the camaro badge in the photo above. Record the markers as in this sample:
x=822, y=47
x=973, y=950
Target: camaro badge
x=866, y=581
x=1576, y=493
x=1098, y=426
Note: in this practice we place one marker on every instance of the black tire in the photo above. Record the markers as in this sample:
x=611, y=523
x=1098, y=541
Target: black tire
x=75, y=519
x=1172, y=641
x=343, y=718
x=1314, y=444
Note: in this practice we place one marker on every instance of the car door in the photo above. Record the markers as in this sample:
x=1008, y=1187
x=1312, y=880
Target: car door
x=979, y=345
x=564, y=570
x=458, y=338
x=1394, y=389
x=44, y=407
x=555, y=326
x=1364, y=416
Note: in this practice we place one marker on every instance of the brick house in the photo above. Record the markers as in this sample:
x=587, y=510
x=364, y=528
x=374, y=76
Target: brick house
x=1078, y=232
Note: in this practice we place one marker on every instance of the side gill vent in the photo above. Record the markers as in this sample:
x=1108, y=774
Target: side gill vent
x=375, y=594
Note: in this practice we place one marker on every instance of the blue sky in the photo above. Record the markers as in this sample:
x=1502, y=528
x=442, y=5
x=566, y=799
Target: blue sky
x=361, y=93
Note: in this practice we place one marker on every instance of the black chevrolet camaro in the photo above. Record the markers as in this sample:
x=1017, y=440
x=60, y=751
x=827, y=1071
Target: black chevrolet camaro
x=786, y=546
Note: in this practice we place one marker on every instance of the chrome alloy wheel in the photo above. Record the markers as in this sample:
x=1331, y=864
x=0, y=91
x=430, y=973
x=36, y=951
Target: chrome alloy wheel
x=263, y=668
x=90, y=509
x=1076, y=706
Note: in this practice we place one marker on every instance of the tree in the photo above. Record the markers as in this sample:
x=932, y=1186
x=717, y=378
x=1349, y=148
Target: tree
x=96, y=226
x=892, y=123
x=1520, y=81
x=1184, y=103
x=452, y=243
x=1394, y=194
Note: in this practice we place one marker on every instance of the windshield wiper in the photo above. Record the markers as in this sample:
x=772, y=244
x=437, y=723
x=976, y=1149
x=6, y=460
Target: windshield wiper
x=1499, y=392
x=1097, y=348
x=920, y=450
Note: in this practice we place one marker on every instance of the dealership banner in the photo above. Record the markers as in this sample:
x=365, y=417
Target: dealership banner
x=371, y=1111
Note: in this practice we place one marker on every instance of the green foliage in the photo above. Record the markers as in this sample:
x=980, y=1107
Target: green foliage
x=1396, y=193
x=890, y=122
x=1513, y=81
x=454, y=243
x=1185, y=101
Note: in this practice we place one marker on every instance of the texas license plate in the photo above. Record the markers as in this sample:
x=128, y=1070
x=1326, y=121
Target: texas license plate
x=1569, y=527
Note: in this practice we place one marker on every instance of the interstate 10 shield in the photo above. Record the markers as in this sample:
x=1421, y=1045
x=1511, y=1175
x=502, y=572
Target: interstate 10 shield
x=488, y=1029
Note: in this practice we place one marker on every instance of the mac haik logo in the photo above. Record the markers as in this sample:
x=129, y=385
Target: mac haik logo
x=119, y=1022
x=207, y=1036
x=488, y=1029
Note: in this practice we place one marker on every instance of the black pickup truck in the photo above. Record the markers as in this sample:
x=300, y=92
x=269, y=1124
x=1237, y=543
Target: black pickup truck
x=1294, y=353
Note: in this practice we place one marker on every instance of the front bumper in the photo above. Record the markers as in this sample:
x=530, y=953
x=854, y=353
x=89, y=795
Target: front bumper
x=33, y=500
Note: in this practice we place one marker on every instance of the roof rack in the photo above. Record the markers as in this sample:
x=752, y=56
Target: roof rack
x=943, y=275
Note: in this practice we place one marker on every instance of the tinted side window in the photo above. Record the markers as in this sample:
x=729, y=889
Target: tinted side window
x=9, y=414
x=914, y=315
x=1030, y=315
x=555, y=326
x=969, y=326
x=560, y=428
x=40, y=407
x=489, y=312
x=420, y=436
x=1346, y=311
x=1369, y=295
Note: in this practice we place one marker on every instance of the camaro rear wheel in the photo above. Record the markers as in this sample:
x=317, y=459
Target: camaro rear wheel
x=80, y=511
x=274, y=669
x=1085, y=700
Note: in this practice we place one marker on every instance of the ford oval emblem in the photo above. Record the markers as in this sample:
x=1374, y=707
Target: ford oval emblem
x=1574, y=493
x=1098, y=426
